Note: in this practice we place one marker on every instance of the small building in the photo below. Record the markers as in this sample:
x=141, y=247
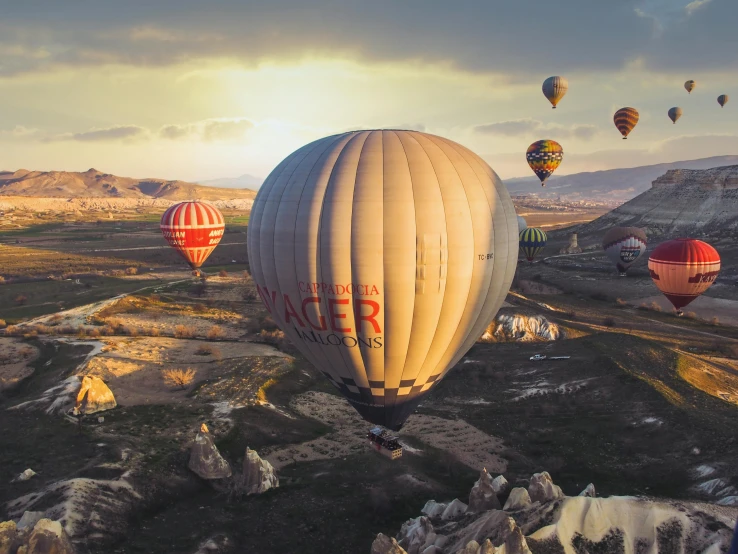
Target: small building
x=384, y=443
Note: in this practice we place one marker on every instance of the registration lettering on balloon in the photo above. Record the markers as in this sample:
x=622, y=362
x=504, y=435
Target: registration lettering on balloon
x=628, y=254
x=708, y=277
x=489, y=256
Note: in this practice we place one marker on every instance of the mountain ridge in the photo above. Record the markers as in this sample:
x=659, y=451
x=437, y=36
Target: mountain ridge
x=96, y=184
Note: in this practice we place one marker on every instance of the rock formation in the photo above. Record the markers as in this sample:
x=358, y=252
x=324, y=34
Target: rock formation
x=500, y=485
x=542, y=488
x=205, y=460
x=589, y=491
x=483, y=496
x=258, y=475
x=45, y=537
x=521, y=327
x=573, y=246
x=554, y=523
x=94, y=396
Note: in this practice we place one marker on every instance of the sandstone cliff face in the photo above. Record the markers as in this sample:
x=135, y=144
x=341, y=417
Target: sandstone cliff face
x=680, y=202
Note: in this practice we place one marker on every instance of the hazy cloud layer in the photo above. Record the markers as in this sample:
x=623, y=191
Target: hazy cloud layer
x=112, y=133
x=522, y=127
x=210, y=130
x=519, y=37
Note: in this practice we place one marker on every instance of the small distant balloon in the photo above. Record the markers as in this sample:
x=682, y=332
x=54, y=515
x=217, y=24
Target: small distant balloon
x=689, y=85
x=682, y=269
x=624, y=246
x=544, y=156
x=554, y=88
x=675, y=113
x=522, y=224
x=625, y=120
x=722, y=100
x=532, y=242
x=193, y=229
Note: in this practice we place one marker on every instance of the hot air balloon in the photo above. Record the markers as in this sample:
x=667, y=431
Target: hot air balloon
x=554, y=88
x=194, y=229
x=624, y=246
x=722, y=100
x=522, y=225
x=532, y=242
x=674, y=114
x=544, y=156
x=689, y=85
x=383, y=255
x=682, y=269
x=625, y=120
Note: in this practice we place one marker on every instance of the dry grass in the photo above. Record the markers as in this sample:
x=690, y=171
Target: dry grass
x=620, y=303
x=131, y=271
x=3, y=324
x=184, y=331
x=222, y=273
x=180, y=378
x=261, y=393
x=215, y=333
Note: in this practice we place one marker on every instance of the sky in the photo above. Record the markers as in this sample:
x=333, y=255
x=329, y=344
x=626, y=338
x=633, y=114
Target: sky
x=193, y=90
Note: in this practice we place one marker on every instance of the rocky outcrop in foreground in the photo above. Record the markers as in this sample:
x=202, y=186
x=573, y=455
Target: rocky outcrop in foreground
x=94, y=396
x=522, y=328
x=542, y=520
x=258, y=475
x=205, y=459
x=573, y=246
x=43, y=537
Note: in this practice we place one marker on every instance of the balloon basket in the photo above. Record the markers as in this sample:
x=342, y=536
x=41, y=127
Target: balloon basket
x=679, y=313
x=623, y=274
x=383, y=442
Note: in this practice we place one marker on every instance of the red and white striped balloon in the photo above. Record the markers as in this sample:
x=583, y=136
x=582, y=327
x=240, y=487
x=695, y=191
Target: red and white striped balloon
x=194, y=229
x=682, y=269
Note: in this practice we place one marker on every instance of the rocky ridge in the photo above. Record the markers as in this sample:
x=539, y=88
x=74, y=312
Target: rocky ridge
x=542, y=520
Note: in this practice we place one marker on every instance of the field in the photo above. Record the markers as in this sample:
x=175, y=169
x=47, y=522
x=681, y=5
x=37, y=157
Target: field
x=645, y=403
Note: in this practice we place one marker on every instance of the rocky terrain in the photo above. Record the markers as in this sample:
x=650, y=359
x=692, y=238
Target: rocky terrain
x=681, y=201
x=613, y=185
x=96, y=184
x=540, y=519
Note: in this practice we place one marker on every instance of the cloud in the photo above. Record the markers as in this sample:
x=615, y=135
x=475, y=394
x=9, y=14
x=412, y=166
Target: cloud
x=118, y=132
x=522, y=127
x=208, y=130
x=527, y=37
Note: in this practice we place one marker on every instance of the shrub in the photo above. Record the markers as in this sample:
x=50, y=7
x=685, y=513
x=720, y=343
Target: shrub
x=654, y=306
x=184, y=332
x=180, y=378
x=199, y=308
x=93, y=333
x=222, y=273
x=2, y=279
x=154, y=332
x=21, y=299
x=715, y=321
x=690, y=315
x=131, y=270
x=3, y=324
x=215, y=333
x=247, y=275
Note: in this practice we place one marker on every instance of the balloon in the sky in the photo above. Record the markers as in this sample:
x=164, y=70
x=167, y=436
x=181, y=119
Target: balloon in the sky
x=383, y=255
x=624, y=246
x=194, y=229
x=689, y=85
x=682, y=269
x=554, y=88
x=532, y=242
x=625, y=119
x=722, y=100
x=675, y=113
x=544, y=156
x=522, y=224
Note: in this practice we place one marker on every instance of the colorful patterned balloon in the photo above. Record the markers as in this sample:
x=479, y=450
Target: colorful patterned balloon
x=544, y=156
x=625, y=119
x=194, y=229
x=624, y=246
x=532, y=242
x=682, y=269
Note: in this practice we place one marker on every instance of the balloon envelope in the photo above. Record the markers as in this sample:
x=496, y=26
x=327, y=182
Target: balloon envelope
x=625, y=120
x=532, y=241
x=554, y=88
x=624, y=246
x=675, y=113
x=522, y=225
x=383, y=255
x=722, y=100
x=682, y=269
x=689, y=85
x=543, y=157
x=194, y=229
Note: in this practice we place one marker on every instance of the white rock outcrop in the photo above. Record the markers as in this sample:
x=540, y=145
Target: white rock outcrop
x=455, y=509
x=522, y=328
x=205, y=459
x=542, y=489
x=589, y=491
x=386, y=545
x=416, y=535
x=258, y=475
x=500, y=485
x=519, y=499
x=482, y=496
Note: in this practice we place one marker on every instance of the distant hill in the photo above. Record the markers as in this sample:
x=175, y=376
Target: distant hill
x=611, y=185
x=96, y=184
x=244, y=181
x=680, y=202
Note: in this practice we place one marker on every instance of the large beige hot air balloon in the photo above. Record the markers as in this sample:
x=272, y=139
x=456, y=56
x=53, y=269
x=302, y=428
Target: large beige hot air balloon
x=383, y=255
